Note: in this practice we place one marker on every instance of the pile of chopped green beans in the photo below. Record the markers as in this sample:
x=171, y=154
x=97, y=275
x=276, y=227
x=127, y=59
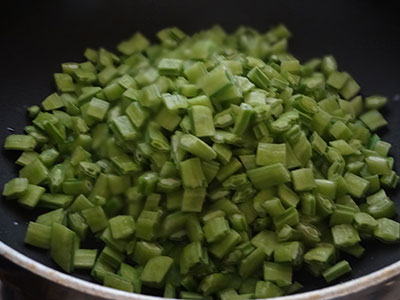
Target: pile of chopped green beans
x=212, y=166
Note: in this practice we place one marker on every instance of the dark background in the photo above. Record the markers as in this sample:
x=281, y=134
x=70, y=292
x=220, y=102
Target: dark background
x=37, y=36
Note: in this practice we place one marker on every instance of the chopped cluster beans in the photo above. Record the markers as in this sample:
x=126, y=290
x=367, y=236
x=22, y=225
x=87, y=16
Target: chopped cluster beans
x=212, y=166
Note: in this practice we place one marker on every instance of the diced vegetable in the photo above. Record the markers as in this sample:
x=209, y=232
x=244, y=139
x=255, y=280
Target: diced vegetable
x=210, y=166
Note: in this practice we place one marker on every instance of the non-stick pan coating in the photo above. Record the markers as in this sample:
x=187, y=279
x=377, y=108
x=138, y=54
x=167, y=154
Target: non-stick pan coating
x=36, y=36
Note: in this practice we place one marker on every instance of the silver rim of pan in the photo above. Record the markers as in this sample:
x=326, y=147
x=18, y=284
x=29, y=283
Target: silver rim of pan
x=342, y=289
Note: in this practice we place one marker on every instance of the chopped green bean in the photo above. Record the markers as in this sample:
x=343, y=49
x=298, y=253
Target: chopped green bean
x=20, y=142
x=387, y=230
x=344, y=235
x=38, y=235
x=215, y=164
x=156, y=269
x=336, y=271
x=279, y=274
x=202, y=120
x=15, y=187
x=85, y=258
x=264, y=177
x=62, y=246
x=196, y=146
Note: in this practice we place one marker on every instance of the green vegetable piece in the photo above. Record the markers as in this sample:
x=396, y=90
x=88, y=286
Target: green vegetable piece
x=287, y=233
x=125, y=128
x=97, y=108
x=308, y=204
x=62, y=247
x=52, y=102
x=156, y=270
x=229, y=169
x=252, y=262
x=322, y=255
x=289, y=217
x=136, y=43
x=77, y=223
x=267, y=176
x=122, y=226
x=213, y=283
x=147, y=183
x=170, y=66
x=357, y=186
x=303, y=180
x=226, y=244
x=196, y=146
x=55, y=216
x=95, y=218
x=20, y=142
x=36, y=172
x=173, y=223
x=85, y=258
x=26, y=158
x=38, y=235
x=259, y=78
x=15, y=187
x=344, y=235
x=364, y=222
x=215, y=229
x=202, y=120
x=132, y=275
x=387, y=230
x=144, y=251
x=201, y=100
x=350, y=89
x=382, y=148
x=378, y=165
x=214, y=81
x=107, y=74
x=373, y=119
x=117, y=282
x=339, y=130
x=243, y=119
x=279, y=274
x=192, y=256
x=289, y=252
x=174, y=102
x=342, y=215
x=268, y=154
x=274, y=207
x=137, y=114
x=150, y=96
x=195, y=72
x=337, y=79
x=64, y=82
x=192, y=173
x=375, y=102
x=30, y=198
x=309, y=233
x=224, y=154
x=146, y=225
x=193, y=199
x=113, y=91
x=266, y=241
x=167, y=119
x=336, y=271
x=266, y=289
x=77, y=187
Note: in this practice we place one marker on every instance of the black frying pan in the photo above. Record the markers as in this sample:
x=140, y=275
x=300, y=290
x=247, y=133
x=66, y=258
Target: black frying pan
x=36, y=36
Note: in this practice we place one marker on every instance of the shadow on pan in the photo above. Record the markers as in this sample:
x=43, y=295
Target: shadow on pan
x=36, y=37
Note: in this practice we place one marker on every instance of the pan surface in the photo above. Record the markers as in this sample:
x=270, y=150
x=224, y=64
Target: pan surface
x=37, y=36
